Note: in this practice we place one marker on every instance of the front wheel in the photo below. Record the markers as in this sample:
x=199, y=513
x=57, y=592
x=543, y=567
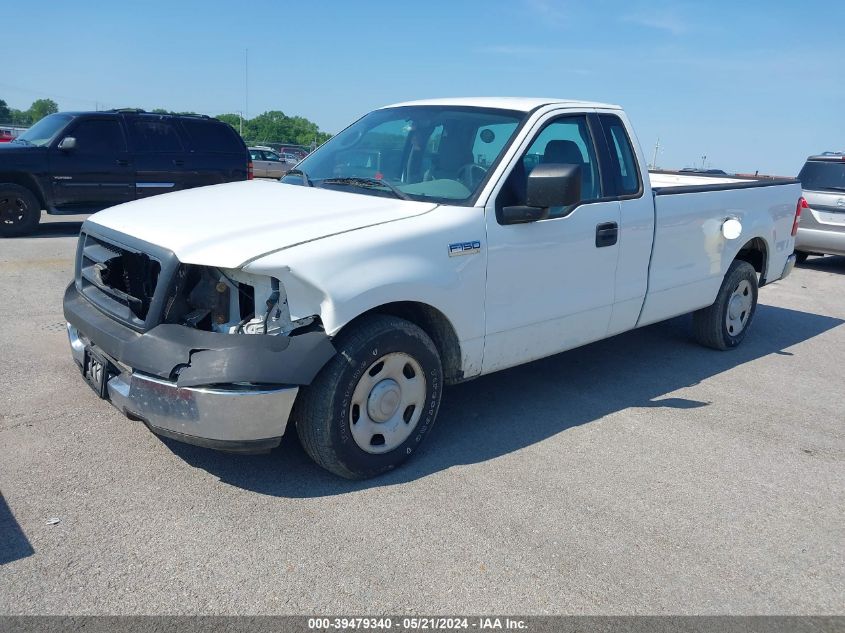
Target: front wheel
x=801, y=257
x=19, y=210
x=724, y=324
x=371, y=406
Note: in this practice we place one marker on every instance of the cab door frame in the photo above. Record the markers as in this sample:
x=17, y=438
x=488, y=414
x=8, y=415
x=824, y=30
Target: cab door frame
x=550, y=285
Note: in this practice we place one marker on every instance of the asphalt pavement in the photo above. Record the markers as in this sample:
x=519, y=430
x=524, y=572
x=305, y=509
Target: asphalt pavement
x=639, y=475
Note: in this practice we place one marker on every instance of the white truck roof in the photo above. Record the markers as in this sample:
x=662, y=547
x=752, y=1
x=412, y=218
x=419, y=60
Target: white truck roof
x=524, y=104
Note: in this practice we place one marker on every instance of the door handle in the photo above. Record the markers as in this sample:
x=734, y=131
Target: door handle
x=178, y=162
x=607, y=234
x=122, y=162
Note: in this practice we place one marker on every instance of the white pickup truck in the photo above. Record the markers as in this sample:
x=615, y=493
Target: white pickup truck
x=426, y=244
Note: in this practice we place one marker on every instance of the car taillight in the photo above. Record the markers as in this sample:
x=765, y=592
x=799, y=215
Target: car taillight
x=249, y=174
x=802, y=204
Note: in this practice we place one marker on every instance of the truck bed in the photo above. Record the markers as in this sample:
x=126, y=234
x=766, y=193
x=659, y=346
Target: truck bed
x=690, y=254
x=669, y=182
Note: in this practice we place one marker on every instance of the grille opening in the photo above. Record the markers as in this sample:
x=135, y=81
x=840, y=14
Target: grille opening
x=135, y=276
x=120, y=281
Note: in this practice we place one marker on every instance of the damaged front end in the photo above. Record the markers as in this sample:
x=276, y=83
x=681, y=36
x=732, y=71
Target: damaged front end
x=209, y=356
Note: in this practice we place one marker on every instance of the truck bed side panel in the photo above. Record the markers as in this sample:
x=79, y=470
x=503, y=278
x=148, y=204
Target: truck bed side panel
x=691, y=255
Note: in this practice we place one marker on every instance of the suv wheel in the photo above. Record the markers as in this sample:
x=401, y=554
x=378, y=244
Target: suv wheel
x=19, y=210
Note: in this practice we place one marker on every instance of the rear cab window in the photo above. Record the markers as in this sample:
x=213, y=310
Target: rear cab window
x=623, y=161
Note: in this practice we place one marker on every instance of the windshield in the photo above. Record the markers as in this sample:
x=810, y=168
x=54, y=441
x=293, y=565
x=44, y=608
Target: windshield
x=823, y=175
x=43, y=132
x=439, y=153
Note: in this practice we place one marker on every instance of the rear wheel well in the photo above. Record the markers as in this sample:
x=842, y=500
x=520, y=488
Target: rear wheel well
x=755, y=253
x=434, y=323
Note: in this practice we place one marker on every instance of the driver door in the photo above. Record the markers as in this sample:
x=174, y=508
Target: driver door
x=97, y=172
x=550, y=284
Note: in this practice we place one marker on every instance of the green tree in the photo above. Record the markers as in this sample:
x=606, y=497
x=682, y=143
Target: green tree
x=41, y=108
x=276, y=127
x=232, y=119
x=19, y=117
x=13, y=115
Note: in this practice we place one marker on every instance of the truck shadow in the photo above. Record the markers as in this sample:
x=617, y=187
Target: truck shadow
x=54, y=229
x=829, y=263
x=13, y=542
x=50, y=229
x=497, y=414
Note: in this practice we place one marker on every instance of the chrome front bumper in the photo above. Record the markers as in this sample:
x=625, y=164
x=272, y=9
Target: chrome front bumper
x=240, y=418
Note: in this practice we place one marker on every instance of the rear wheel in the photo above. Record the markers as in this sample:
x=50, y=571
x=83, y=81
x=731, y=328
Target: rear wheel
x=724, y=324
x=19, y=210
x=372, y=405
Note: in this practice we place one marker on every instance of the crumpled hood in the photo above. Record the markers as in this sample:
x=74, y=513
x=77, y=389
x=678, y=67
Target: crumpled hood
x=228, y=225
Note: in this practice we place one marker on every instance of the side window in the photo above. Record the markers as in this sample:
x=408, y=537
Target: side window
x=254, y=154
x=565, y=140
x=99, y=136
x=154, y=136
x=622, y=159
x=272, y=156
x=212, y=136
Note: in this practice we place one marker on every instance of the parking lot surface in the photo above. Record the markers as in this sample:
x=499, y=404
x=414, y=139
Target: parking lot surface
x=641, y=474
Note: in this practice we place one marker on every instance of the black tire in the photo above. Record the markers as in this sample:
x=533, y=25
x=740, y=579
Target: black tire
x=801, y=256
x=325, y=409
x=710, y=325
x=20, y=211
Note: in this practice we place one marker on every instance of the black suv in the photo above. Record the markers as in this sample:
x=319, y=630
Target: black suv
x=82, y=162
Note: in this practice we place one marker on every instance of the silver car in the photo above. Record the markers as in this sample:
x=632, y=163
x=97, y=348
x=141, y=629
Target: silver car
x=268, y=163
x=821, y=230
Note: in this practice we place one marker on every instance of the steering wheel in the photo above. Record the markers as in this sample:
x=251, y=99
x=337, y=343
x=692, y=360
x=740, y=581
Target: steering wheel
x=471, y=174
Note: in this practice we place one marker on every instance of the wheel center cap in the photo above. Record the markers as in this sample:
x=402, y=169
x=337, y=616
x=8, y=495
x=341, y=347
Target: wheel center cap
x=383, y=401
x=735, y=307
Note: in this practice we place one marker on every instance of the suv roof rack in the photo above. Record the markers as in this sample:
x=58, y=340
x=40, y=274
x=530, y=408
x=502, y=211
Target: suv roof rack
x=142, y=111
x=832, y=156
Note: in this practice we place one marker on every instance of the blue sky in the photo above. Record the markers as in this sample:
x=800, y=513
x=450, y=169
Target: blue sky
x=751, y=85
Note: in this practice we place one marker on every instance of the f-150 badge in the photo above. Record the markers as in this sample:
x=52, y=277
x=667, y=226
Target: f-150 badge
x=464, y=248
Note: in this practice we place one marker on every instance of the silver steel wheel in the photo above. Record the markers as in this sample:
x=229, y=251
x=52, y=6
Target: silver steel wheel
x=387, y=403
x=739, y=308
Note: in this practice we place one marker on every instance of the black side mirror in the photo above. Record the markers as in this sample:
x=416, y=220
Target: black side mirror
x=549, y=185
x=67, y=143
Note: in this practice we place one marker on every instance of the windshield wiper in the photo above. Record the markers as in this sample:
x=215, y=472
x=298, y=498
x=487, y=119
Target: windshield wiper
x=366, y=183
x=21, y=140
x=299, y=172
